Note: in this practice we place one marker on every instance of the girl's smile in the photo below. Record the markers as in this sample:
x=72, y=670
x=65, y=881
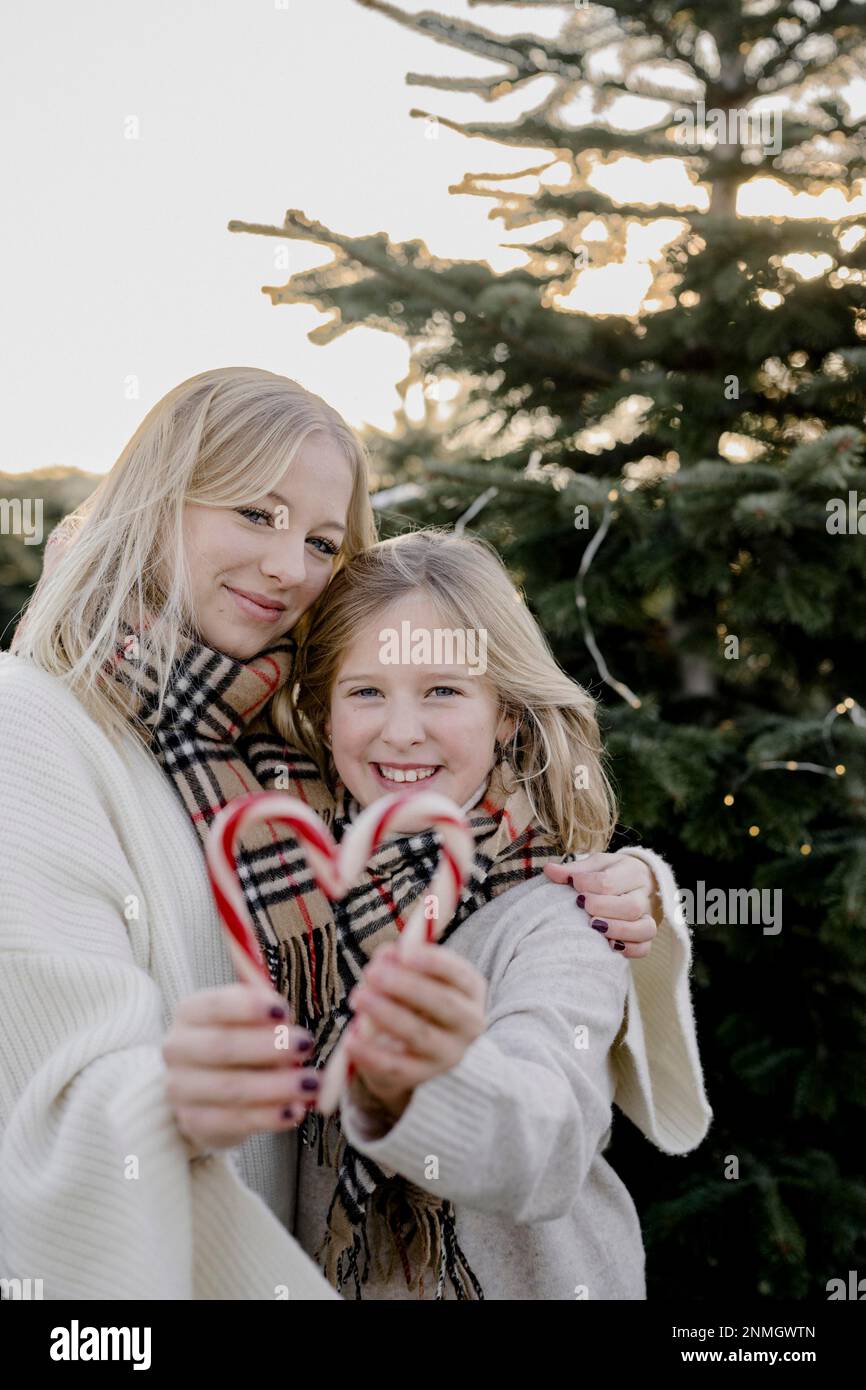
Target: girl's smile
x=405, y=774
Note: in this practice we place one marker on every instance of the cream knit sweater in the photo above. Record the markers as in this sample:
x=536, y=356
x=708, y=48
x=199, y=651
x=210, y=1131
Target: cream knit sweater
x=106, y=922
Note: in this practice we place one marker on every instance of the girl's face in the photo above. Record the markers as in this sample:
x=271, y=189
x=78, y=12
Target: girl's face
x=440, y=724
x=256, y=569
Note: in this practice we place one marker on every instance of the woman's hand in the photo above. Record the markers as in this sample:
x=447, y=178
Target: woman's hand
x=425, y=1005
x=234, y=1066
x=620, y=894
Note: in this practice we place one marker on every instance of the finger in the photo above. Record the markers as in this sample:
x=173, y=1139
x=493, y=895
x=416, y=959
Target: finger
x=438, y=1002
x=269, y=1045
x=633, y=952
x=627, y=950
x=238, y=1089
x=625, y=907
x=442, y=964
x=238, y=1003
x=643, y=930
x=225, y=1128
x=391, y=1068
x=612, y=880
x=562, y=873
x=419, y=1035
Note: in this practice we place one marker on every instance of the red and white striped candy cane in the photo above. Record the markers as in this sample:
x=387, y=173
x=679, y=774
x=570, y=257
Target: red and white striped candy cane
x=336, y=869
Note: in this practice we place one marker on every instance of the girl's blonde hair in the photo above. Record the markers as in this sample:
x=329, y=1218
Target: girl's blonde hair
x=557, y=733
x=223, y=438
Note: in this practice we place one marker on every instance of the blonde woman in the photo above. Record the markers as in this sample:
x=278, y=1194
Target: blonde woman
x=149, y=1105
x=474, y=1131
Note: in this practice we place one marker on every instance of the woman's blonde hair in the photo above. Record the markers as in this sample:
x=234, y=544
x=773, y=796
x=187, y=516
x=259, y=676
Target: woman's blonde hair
x=557, y=734
x=222, y=438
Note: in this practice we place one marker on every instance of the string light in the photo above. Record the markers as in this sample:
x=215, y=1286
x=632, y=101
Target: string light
x=580, y=602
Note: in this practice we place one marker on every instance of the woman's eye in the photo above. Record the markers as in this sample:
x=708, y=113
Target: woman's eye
x=252, y=512
x=328, y=547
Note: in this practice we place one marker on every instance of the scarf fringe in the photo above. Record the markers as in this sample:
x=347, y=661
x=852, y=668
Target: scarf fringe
x=423, y=1237
x=307, y=975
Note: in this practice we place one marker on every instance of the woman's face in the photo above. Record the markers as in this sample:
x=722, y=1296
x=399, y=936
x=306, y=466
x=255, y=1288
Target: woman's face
x=256, y=569
x=439, y=723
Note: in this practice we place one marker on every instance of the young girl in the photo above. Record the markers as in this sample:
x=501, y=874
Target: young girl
x=473, y=1135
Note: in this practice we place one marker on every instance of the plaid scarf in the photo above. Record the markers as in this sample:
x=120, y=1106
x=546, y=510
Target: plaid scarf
x=216, y=742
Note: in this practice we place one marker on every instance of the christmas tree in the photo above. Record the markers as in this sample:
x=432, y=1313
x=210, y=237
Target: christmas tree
x=680, y=495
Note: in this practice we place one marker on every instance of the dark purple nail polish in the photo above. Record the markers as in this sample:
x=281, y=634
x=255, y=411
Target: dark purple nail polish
x=310, y=1083
x=599, y=924
x=581, y=900
x=304, y=1044
x=289, y=1113
x=619, y=945
x=277, y=1012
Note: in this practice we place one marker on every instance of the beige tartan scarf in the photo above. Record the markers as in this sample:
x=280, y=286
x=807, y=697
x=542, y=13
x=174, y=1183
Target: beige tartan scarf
x=216, y=742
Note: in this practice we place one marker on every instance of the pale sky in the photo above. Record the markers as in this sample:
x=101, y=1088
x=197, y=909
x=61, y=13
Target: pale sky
x=118, y=263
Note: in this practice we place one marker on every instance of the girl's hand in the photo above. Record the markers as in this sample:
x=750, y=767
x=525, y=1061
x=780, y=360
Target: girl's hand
x=234, y=1066
x=426, y=1005
x=620, y=894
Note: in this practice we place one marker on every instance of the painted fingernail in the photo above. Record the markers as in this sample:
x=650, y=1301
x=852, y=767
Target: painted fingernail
x=289, y=1113
x=303, y=1044
x=581, y=900
x=278, y=1011
x=599, y=924
x=310, y=1083
x=619, y=945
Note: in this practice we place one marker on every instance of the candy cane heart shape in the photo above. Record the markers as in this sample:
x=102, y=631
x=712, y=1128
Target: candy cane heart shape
x=336, y=869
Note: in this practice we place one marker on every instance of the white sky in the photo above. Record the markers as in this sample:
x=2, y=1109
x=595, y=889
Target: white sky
x=118, y=262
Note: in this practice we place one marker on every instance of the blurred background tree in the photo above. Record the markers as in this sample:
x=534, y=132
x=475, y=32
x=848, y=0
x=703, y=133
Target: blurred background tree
x=57, y=491
x=661, y=484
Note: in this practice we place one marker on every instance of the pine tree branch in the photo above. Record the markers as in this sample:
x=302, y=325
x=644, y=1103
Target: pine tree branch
x=530, y=131
x=429, y=281
x=457, y=33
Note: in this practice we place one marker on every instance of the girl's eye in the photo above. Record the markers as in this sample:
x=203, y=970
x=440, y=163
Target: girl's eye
x=329, y=547
x=449, y=689
x=252, y=512
x=364, y=690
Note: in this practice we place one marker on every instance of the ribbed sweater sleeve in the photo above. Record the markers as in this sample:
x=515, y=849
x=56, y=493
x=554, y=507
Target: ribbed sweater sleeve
x=660, y=1080
x=97, y=1193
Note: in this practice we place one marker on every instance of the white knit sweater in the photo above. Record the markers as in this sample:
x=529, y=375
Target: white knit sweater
x=106, y=922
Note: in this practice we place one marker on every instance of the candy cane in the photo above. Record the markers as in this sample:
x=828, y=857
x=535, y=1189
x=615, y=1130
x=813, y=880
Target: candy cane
x=336, y=868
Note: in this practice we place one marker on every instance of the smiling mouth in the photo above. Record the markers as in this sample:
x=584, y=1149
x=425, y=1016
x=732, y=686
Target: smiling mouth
x=254, y=609
x=400, y=776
